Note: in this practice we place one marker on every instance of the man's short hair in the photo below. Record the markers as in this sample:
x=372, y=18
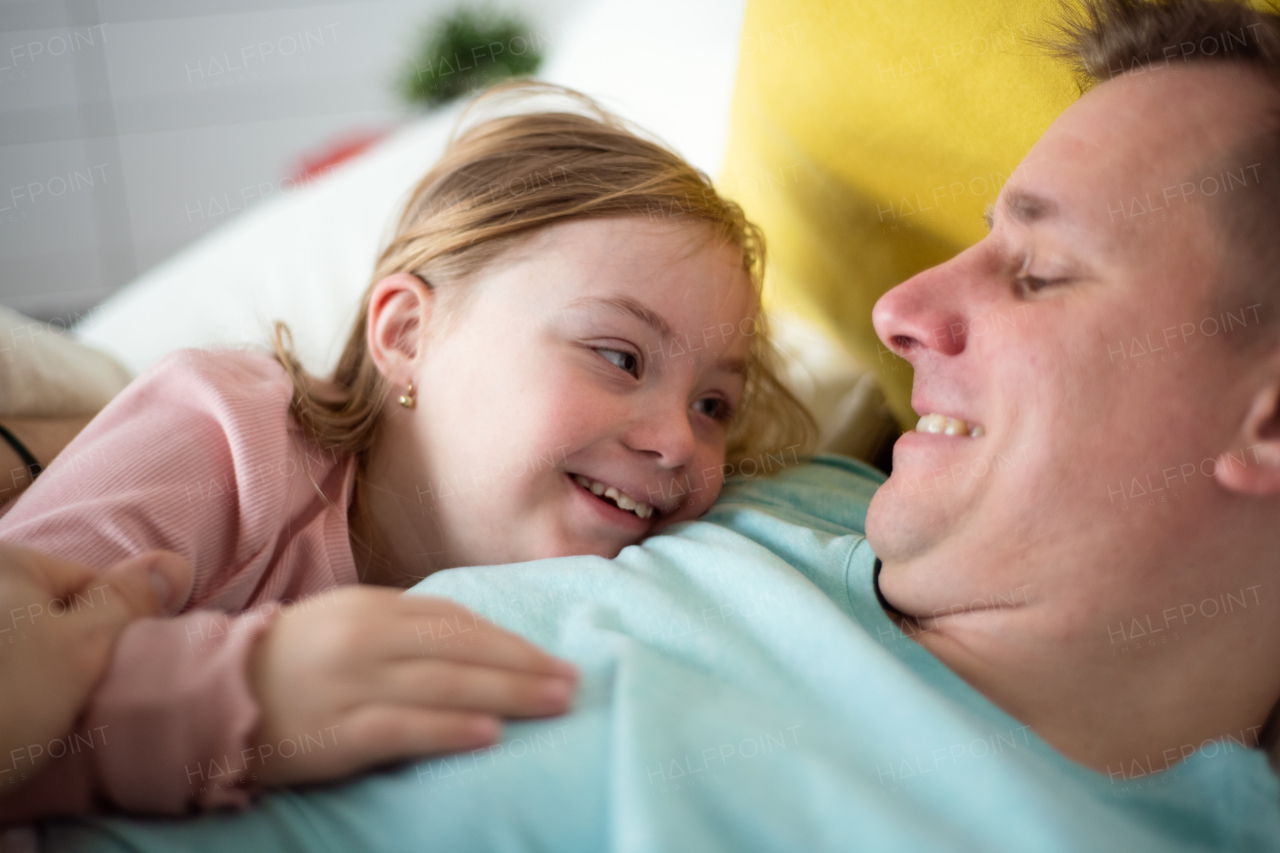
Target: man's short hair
x=1107, y=38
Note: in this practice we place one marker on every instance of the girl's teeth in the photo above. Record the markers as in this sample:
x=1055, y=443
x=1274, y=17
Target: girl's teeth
x=642, y=510
x=943, y=425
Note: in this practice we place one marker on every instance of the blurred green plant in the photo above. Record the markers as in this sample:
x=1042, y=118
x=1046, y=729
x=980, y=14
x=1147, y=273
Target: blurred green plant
x=466, y=50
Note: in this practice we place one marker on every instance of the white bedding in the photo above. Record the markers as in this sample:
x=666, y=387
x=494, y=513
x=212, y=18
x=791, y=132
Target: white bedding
x=46, y=374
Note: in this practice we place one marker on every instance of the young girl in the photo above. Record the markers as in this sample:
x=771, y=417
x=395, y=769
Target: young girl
x=561, y=350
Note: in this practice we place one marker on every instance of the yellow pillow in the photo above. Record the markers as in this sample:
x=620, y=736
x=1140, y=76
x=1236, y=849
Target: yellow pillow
x=868, y=139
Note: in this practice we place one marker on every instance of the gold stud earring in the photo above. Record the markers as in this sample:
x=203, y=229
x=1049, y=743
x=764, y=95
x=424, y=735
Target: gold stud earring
x=406, y=399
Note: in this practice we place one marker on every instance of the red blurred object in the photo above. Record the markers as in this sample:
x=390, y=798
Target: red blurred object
x=339, y=151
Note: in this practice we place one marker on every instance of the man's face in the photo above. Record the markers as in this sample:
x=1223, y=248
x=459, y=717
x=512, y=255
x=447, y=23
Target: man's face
x=1081, y=336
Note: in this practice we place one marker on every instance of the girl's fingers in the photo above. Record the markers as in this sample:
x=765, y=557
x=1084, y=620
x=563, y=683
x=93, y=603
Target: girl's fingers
x=379, y=624
x=442, y=629
x=374, y=734
x=442, y=684
x=378, y=734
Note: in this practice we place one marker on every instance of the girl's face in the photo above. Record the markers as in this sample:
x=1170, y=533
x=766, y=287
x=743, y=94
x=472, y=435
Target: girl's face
x=601, y=356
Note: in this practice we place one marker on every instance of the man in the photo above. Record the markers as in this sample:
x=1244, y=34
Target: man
x=1115, y=339
x=1086, y=538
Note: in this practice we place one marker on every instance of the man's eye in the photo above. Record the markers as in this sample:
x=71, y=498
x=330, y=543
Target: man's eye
x=621, y=359
x=1034, y=284
x=715, y=408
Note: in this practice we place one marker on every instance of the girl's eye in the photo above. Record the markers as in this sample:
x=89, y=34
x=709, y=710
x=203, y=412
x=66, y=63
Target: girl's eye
x=715, y=408
x=621, y=359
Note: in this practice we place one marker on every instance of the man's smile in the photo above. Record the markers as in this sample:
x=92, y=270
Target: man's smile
x=946, y=425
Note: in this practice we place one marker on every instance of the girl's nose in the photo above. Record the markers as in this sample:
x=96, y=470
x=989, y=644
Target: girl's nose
x=924, y=314
x=663, y=430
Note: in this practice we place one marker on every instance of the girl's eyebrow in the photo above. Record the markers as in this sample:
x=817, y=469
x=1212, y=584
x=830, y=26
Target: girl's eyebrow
x=629, y=306
x=736, y=366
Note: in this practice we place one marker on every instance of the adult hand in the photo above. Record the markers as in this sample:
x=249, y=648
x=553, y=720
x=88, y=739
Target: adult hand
x=389, y=677
x=58, y=623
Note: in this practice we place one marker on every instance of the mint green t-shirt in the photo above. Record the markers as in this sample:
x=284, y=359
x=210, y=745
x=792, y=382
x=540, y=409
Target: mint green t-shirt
x=742, y=690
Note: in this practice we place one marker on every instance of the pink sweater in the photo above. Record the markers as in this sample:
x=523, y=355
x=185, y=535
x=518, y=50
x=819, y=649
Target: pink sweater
x=199, y=456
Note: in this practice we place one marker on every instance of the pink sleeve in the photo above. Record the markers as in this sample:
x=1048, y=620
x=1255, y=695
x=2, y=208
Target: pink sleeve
x=169, y=464
x=175, y=462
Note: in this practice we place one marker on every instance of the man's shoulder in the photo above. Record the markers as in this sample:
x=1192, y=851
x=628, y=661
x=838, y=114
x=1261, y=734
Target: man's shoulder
x=826, y=492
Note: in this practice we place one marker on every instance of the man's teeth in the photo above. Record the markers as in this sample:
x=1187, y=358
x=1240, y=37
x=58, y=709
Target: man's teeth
x=944, y=425
x=643, y=510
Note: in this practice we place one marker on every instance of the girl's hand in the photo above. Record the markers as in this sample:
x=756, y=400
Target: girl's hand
x=379, y=676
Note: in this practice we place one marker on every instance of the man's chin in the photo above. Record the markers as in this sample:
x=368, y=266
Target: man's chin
x=889, y=525
x=907, y=524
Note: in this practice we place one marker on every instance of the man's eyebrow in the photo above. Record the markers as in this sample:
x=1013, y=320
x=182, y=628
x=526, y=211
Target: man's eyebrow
x=1025, y=207
x=627, y=305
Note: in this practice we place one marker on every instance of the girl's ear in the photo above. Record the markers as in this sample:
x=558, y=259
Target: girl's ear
x=1259, y=473
x=400, y=309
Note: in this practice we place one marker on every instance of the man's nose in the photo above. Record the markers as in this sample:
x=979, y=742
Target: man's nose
x=924, y=313
x=662, y=429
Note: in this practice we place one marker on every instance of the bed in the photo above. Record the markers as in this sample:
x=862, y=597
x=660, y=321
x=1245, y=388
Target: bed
x=743, y=689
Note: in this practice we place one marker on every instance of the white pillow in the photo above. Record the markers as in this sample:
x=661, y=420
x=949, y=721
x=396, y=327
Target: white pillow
x=46, y=374
x=304, y=258
x=843, y=396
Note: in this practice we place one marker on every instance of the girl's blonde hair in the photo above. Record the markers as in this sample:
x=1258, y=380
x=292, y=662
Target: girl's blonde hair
x=502, y=179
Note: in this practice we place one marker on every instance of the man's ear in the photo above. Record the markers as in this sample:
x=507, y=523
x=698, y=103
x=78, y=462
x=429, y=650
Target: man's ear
x=1259, y=472
x=400, y=309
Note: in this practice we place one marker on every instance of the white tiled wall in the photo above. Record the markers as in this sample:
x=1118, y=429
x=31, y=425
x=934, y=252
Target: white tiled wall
x=130, y=127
